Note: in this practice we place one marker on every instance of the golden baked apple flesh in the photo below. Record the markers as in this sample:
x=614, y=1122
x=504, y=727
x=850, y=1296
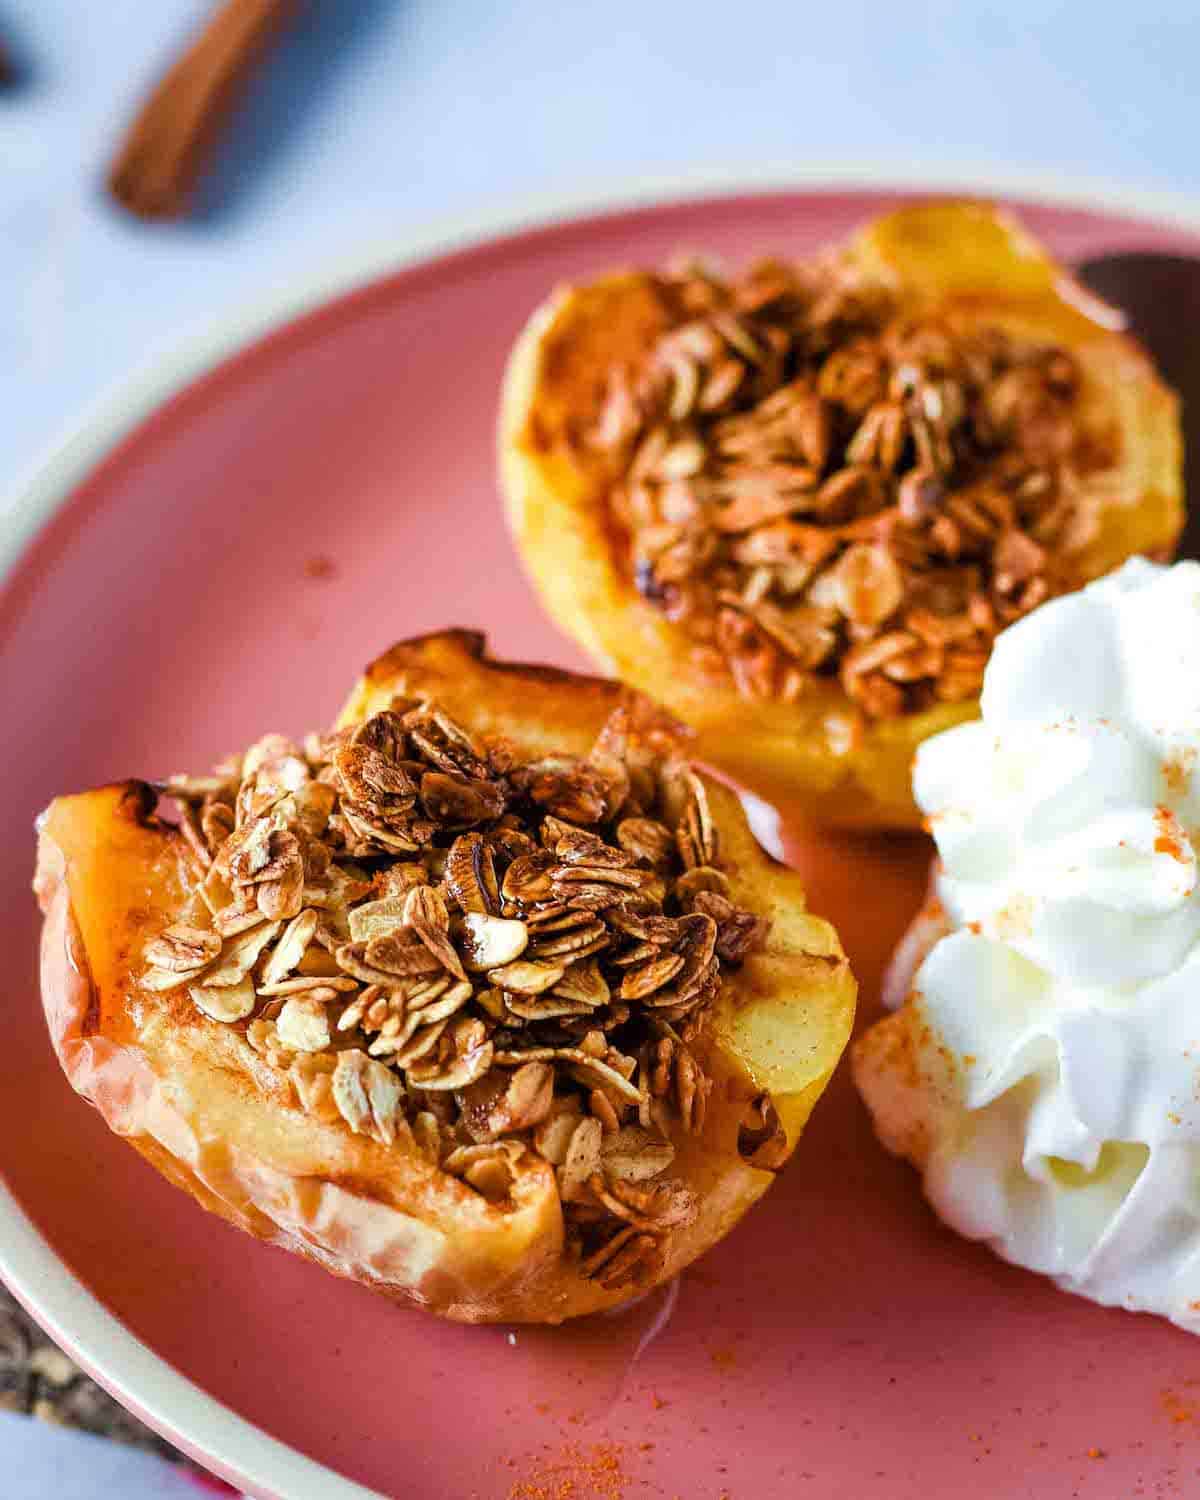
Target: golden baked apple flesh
x=487, y=999
x=797, y=505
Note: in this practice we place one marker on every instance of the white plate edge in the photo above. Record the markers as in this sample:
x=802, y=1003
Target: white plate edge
x=171, y=1403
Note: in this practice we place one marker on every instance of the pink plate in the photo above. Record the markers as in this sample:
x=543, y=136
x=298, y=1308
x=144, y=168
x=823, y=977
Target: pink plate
x=225, y=568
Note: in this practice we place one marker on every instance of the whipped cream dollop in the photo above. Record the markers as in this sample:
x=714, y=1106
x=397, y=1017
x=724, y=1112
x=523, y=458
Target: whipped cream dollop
x=1045, y=1068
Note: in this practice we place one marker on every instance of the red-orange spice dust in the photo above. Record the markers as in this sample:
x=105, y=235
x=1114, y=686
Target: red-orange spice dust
x=1168, y=841
x=1178, y=1407
x=1177, y=770
x=574, y=1472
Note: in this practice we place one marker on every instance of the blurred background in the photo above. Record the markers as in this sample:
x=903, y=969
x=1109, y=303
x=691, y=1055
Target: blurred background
x=373, y=119
x=373, y=122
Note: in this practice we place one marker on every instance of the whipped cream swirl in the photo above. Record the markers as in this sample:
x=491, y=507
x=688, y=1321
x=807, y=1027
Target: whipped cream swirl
x=1055, y=1020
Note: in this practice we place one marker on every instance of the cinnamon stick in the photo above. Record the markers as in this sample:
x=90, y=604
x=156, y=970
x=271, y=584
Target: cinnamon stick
x=172, y=138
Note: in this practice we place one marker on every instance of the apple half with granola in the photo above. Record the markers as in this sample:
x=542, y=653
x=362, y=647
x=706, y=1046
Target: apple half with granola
x=486, y=999
x=798, y=504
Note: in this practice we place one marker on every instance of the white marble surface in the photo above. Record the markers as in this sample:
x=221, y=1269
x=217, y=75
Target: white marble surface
x=380, y=116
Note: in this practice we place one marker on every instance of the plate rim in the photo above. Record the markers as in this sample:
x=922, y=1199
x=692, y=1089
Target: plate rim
x=166, y=1400
x=213, y=1433
x=83, y=442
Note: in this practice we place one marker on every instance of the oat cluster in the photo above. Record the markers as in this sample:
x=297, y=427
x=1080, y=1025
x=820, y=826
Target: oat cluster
x=491, y=957
x=813, y=483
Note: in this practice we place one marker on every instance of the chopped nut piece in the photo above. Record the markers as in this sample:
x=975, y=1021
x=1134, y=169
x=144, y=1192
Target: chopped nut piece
x=470, y=875
x=491, y=942
x=367, y=1095
x=457, y=801
x=739, y=933
x=302, y=1024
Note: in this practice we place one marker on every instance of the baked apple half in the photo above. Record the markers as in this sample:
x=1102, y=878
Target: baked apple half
x=797, y=506
x=487, y=999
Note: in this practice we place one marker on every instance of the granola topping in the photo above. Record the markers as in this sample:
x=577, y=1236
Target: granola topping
x=496, y=959
x=814, y=484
